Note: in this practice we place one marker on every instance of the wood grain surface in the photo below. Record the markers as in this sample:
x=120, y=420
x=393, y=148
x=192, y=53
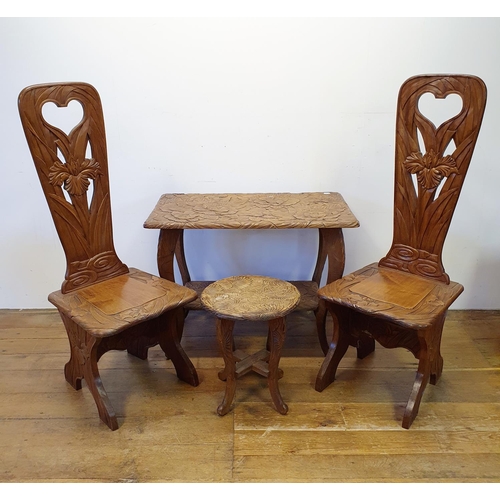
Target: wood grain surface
x=251, y=211
x=255, y=298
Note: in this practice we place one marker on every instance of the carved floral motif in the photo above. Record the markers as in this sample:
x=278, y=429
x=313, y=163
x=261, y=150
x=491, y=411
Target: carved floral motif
x=74, y=175
x=430, y=168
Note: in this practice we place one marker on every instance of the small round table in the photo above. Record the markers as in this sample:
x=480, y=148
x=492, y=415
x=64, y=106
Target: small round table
x=253, y=298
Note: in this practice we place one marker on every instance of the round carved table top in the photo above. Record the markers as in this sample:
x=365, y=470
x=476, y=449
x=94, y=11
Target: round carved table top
x=256, y=298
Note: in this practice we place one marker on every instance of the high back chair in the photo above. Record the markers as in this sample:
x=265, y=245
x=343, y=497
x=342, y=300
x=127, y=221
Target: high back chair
x=402, y=301
x=103, y=304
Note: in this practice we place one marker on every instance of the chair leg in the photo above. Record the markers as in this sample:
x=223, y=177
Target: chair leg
x=437, y=359
x=364, y=346
x=277, y=330
x=338, y=347
x=139, y=343
x=170, y=329
x=83, y=364
x=73, y=370
x=224, y=329
x=429, y=367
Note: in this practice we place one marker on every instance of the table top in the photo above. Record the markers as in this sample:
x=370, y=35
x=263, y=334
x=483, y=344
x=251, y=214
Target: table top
x=257, y=298
x=251, y=211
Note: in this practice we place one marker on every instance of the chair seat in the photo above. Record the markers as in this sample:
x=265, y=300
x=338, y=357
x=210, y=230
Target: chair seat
x=111, y=306
x=401, y=297
x=256, y=298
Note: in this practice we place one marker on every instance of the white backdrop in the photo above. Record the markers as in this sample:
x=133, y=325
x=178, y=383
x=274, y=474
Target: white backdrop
x=213, y=105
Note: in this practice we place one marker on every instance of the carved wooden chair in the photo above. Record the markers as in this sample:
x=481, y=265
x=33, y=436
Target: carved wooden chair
x=402, y=301
x=103, y=304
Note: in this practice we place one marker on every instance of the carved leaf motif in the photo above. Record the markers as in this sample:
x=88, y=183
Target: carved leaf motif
x=75, y=177
x=430, y=168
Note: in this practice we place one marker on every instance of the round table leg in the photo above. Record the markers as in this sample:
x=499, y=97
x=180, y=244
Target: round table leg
x=224, y=329
x=277, y=334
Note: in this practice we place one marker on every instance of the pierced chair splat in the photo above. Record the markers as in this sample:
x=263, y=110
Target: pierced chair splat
x=103, y=304
x=402, y=301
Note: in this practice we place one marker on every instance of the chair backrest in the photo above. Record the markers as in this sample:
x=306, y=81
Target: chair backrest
x=430, y=170
x=73, y=171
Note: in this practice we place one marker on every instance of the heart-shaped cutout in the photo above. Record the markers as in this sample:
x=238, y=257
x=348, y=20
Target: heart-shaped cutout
x=439, y=111
x=64, y=118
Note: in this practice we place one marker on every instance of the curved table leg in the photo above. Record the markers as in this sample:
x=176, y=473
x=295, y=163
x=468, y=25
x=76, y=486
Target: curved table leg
x=170, y=246
x=181, y=258
x=277, y=334
x=224, y=329
x=320, y=314
x=167, y=243
x=331, y=247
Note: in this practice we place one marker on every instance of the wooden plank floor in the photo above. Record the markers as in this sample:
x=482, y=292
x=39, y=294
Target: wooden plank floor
x=170, y=432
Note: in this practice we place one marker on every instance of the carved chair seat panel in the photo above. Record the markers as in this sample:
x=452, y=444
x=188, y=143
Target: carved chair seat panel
x=112, y=306
x=401, y=297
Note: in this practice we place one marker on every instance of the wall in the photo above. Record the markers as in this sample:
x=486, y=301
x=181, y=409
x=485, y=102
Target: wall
x=245, y=105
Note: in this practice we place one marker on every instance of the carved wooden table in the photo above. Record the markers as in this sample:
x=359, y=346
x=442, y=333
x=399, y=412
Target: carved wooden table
x=327, y=212
x=254, y=298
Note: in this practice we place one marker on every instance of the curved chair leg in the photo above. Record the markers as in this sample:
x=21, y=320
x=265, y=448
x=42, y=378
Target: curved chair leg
x=139, y=343
x=224, y=330
x=437, y=359
x=94, y=383
x=73, y=370
x=83, y=364
x=338, y=347
x=136, y=340
x=277, y=332
x=429, y=367
x=169, y=325
x=423, y=374
x=365, y=345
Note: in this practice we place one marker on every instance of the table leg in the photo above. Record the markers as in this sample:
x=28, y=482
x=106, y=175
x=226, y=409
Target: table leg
x=181, y=258
x=331, y=246
x=167, y=243
x=277, y=333
x=224, y=329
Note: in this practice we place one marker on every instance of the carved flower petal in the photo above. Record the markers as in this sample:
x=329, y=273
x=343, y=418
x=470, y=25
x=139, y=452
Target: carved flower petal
x=447, y=161
x=414, y=163
x=446, y=171
x=90, y=168
x=77, y=185
x=430, y=178
x=58, y=173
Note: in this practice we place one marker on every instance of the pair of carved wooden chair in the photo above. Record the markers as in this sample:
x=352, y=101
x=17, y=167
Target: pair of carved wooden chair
x=400, y=302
